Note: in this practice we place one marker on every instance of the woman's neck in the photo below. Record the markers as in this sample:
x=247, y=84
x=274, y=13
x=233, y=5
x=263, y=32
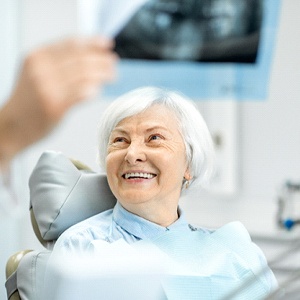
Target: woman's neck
x=160, y=215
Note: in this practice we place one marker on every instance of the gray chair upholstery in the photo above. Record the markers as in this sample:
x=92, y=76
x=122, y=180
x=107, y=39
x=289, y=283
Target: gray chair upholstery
x=62, y=193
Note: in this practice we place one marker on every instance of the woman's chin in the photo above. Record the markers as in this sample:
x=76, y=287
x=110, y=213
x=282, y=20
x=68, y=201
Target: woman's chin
x=133, y=198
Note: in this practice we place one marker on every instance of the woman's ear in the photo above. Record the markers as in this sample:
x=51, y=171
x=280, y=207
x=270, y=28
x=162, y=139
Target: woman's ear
x=186, y=178
x=187, y=175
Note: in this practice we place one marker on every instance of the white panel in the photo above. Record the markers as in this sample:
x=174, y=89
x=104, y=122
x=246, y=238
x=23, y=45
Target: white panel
x=46, y=21
x=221, y=118
x=9, y=50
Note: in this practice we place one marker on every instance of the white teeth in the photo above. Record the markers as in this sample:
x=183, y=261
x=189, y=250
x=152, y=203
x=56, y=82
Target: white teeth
x=139, y=175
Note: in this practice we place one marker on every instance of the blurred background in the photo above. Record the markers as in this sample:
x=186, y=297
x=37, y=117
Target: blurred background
x=257, y=140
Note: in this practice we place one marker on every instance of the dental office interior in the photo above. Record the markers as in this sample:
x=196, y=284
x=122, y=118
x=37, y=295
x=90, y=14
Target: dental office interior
x=257, y=140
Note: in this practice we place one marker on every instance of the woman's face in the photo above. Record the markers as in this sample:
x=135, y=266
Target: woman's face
x=146, y=160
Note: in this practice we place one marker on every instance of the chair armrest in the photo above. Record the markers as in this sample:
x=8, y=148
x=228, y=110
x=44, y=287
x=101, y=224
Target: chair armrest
x=11, y=278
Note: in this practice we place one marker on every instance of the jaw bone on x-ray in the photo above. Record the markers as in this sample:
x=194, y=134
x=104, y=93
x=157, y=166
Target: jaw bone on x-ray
x=208, y=30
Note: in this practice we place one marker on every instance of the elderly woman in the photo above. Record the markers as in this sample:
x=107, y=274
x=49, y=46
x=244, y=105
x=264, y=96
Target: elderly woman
x=155, y=145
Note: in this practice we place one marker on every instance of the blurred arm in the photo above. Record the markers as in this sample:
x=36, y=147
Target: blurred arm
x=51, y=80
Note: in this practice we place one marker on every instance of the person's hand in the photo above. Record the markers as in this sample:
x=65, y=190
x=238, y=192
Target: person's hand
x=51, y=80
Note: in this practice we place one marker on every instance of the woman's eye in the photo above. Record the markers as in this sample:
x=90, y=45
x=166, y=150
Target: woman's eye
x=119, y=140
x=155, y=137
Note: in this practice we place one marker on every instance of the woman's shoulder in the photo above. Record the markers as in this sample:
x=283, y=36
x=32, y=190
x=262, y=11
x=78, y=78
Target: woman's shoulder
x=81, y=234
x=232, y=229
x=233, y=236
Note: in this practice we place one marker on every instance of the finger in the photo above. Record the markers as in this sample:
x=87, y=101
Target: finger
x=85, y=87
x=83, y=46
x=100, y=42
x=88, y=66
x=84, y=60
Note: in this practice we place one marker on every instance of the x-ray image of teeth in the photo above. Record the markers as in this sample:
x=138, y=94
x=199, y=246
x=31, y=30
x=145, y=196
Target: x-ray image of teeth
x=197, y=30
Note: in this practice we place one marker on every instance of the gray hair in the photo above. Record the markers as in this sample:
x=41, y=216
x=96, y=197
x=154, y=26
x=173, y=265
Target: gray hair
x=197, y=139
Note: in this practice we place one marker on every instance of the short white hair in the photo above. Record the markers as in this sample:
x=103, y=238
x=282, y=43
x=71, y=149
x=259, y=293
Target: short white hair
x=197, y=139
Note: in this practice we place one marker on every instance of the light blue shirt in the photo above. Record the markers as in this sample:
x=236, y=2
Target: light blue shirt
x=218, y=261
x=115, y=224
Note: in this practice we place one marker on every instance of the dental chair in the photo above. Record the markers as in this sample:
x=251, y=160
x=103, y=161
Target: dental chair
x=62, y=193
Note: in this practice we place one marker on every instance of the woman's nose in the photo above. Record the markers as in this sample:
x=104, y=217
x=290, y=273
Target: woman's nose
x=135, y=154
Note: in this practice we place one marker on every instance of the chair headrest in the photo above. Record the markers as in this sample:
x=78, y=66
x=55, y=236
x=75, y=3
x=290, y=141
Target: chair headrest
x=62, y=195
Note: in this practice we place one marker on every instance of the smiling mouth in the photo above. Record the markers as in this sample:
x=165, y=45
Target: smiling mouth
x=138, y=175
